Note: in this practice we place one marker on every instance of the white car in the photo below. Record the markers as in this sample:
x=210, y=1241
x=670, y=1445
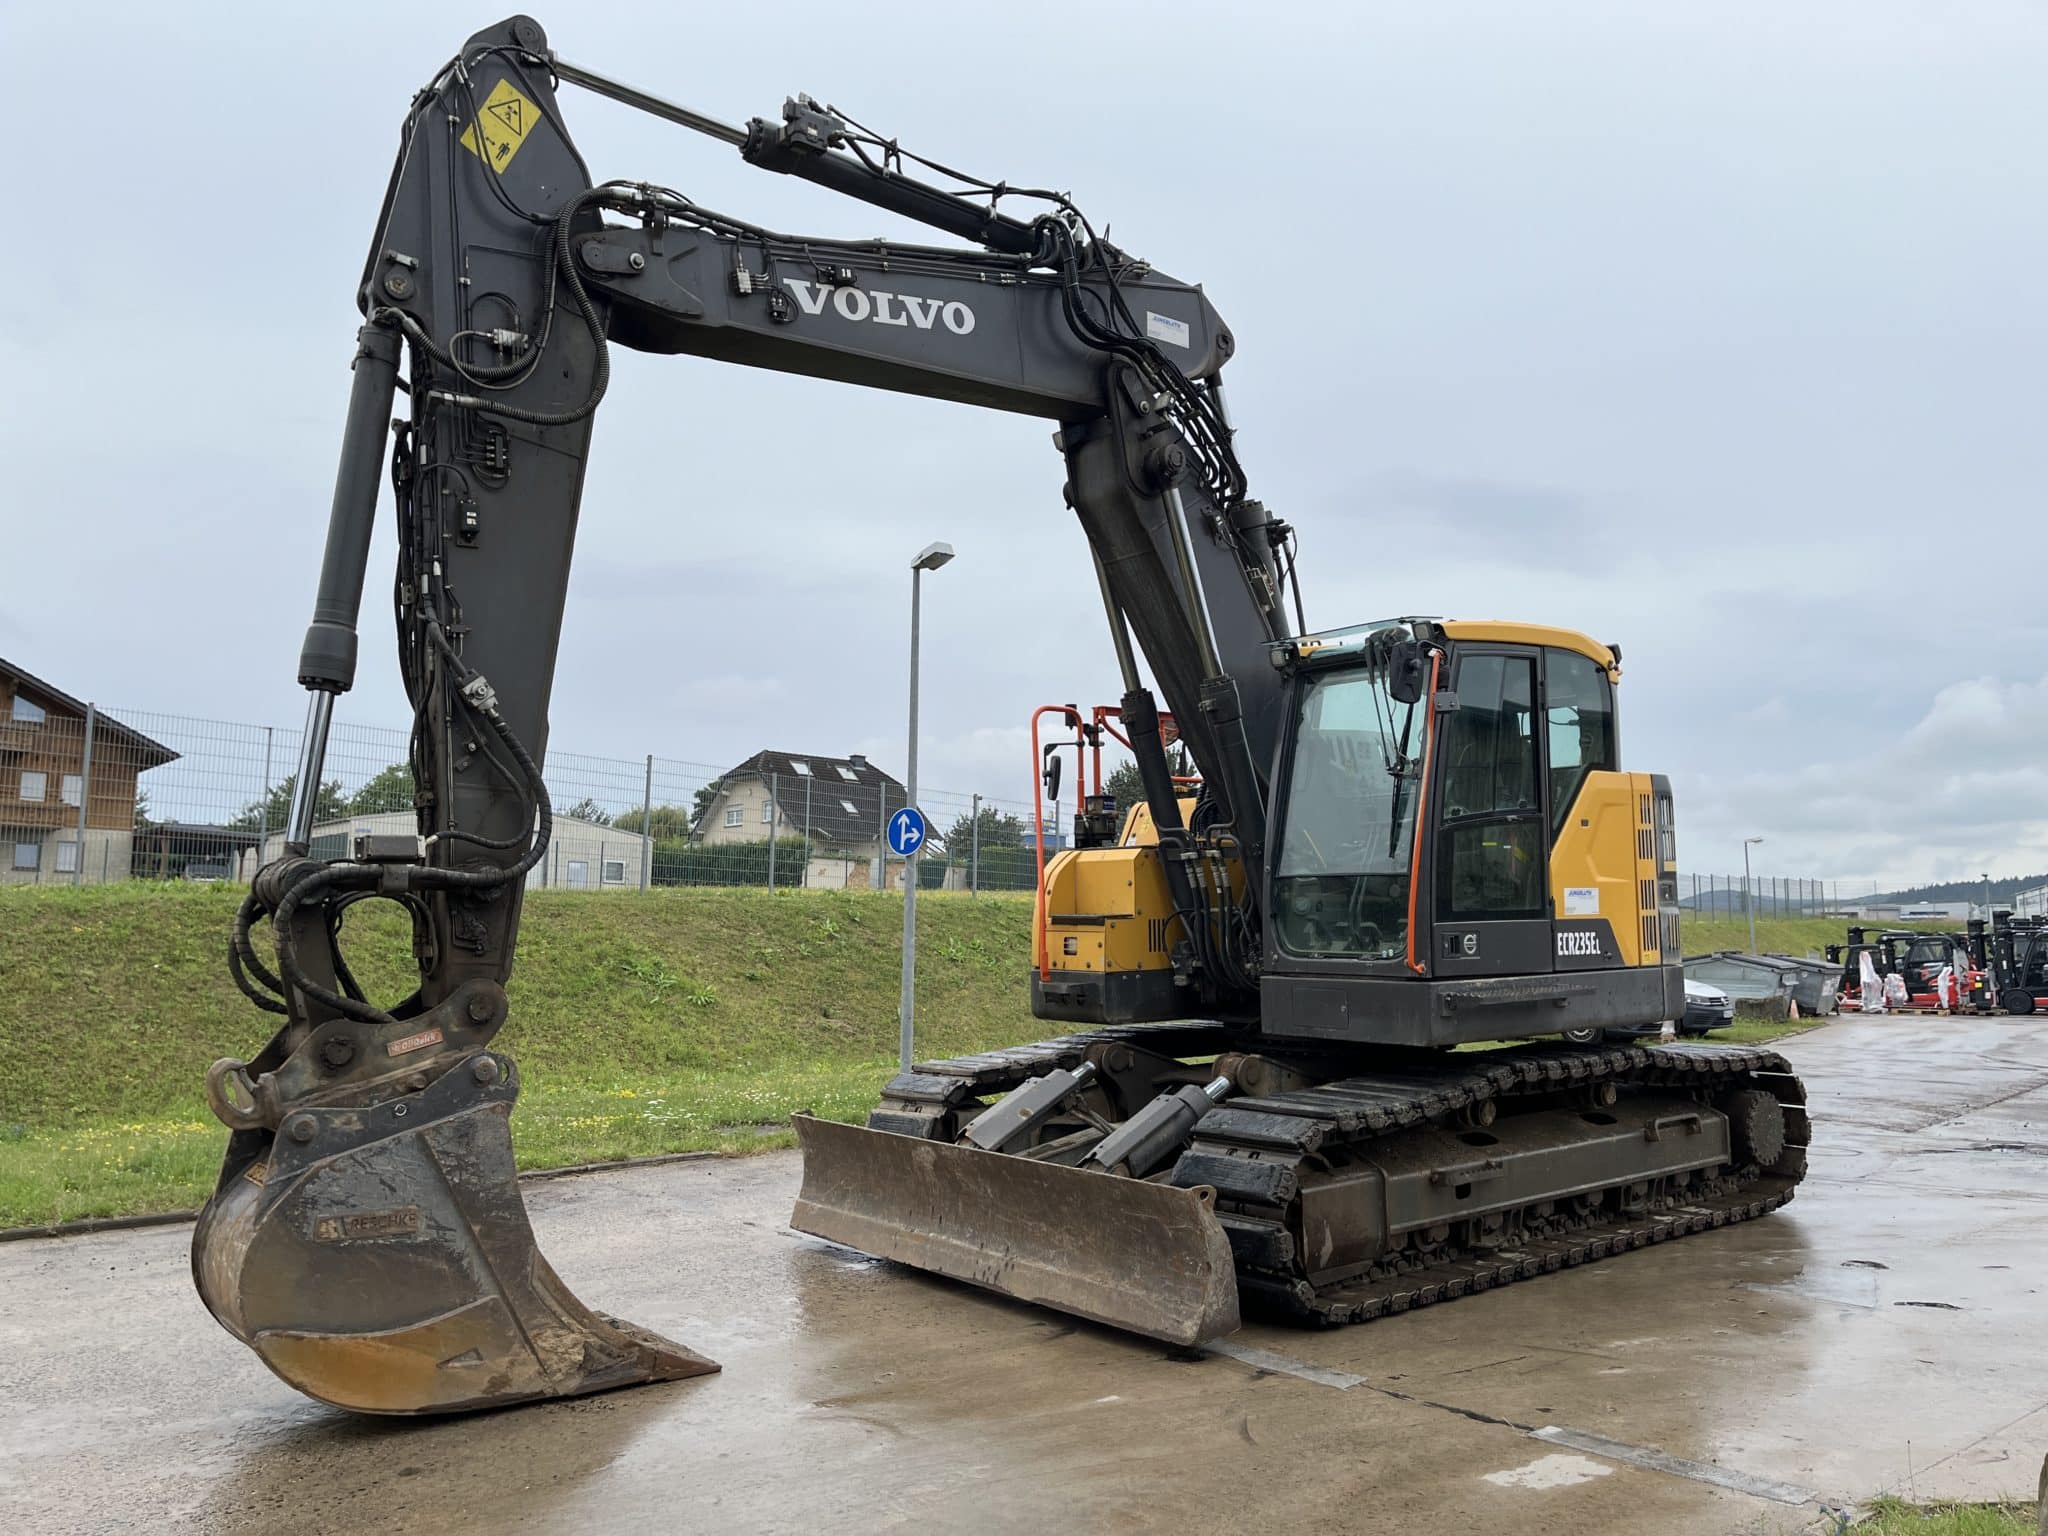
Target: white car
x=1705, y=1008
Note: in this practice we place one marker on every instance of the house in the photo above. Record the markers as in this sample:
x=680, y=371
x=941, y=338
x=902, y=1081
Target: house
x=837, y=804
x=51, y=766
x=581, y=856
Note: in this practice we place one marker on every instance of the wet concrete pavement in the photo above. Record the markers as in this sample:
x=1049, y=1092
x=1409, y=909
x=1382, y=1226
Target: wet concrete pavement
x=1885, y=1331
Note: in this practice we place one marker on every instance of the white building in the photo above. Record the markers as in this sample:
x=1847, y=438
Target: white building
x=581, y=856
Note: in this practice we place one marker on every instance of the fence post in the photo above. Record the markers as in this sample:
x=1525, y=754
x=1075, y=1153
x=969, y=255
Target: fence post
x=882, y=838
x=974, y=851
x=774, y=810
x=84, y=794
x=647, y=826
x=807, y=833
x=263, y=804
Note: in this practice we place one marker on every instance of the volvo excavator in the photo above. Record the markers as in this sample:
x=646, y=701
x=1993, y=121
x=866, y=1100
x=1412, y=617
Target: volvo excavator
x=1407, y=836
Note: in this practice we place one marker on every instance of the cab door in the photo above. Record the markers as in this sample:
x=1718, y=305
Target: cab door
x=1492, y=834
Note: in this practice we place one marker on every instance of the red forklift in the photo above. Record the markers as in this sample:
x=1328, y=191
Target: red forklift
x=1918, y=960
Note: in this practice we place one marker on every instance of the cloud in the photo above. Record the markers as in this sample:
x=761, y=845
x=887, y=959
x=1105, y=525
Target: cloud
x=1960, y=789
x=1751, y=387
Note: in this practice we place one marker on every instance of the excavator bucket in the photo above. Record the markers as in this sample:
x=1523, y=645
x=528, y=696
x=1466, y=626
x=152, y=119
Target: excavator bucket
x=378, y=1257
x=1135, y=1255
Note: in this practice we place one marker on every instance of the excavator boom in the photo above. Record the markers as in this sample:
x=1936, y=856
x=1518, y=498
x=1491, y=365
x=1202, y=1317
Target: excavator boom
x=367, y=1238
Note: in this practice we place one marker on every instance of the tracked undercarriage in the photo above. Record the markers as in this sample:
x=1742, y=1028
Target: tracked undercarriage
x=1340, y=1184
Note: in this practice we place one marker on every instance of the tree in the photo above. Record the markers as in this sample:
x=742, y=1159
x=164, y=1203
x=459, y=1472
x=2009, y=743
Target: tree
x=1129, y=789
x=142, y=820
x=586, y=809
x=389, y=789
x=700, y=802
x=275, y=809
x=999, y=829
x=666, y=821
x=1124, y=783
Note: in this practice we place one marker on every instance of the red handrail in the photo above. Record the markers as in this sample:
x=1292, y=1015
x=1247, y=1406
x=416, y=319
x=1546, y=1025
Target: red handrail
x=1041, y=932
x=1421, y=810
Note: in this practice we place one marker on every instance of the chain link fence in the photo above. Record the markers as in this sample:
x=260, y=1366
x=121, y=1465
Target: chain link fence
x=90, y=796
x=1769, y=895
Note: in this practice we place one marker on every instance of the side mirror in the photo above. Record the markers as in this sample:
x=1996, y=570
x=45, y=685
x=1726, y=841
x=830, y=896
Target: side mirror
x=1053, y=764
x=1407, y=672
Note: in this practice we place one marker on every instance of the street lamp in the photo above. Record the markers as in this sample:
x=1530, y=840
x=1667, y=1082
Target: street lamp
x=1748, y=893
x=930, y=558
x=1987, y=896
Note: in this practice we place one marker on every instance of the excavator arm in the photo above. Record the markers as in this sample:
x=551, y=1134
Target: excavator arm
x=367, y=1236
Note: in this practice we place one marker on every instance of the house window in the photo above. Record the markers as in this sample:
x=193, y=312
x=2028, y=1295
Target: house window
x=801, y=765
x=768, y=813
x=67, y=857
x=579, y=874
x=614, y=871
x=851, y=808
x=34, y=784
x=28, y=855
x=73, y=789
x=848, y=774
x=735, y=816
x=27, y=713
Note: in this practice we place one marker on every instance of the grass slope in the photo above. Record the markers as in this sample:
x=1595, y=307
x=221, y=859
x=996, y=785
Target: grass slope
x=680, y=1020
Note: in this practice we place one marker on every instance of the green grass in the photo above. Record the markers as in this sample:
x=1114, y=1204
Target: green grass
x=682, y=1020
x=1774, y=935
x=1890, y=1517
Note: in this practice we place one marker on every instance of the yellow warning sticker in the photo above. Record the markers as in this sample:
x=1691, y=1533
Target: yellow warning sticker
x=506, y=120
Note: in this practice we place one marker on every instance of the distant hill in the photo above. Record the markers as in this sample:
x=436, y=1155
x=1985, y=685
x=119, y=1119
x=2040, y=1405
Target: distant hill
x=1727, y=900
x=2002, y=891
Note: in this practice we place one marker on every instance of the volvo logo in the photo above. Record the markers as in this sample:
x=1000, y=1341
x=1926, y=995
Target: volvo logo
x=879, y=307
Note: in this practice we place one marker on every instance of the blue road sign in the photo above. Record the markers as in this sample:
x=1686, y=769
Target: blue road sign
x=906, y=831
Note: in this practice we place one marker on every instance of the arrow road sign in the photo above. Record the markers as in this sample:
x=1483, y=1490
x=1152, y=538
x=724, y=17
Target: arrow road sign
x=906, y=831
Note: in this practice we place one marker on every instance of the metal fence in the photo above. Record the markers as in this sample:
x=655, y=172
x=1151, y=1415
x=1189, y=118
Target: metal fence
x=91, y=796
x=1770, y=895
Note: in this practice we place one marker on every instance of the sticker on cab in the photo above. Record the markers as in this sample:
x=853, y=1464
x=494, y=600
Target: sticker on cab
x=1582, y=901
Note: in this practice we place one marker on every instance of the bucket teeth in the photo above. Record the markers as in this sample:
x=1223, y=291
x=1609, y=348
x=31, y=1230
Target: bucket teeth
x=385, y=1263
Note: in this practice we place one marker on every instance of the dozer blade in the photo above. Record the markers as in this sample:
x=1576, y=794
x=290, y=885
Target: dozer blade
x=1144, y=1257
x=378, y=1257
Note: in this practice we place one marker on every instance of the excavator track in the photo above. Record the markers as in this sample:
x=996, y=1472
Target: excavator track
x=1262, y=1155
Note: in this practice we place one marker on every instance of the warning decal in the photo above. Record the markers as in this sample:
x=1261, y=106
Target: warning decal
x=506, y=120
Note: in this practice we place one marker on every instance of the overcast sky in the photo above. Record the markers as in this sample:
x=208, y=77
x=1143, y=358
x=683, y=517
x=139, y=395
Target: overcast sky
x=1714, y=330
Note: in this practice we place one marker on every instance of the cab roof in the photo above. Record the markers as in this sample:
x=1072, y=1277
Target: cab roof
x=1508, y=633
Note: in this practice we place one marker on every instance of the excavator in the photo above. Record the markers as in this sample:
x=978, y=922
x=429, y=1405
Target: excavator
x=1401, y=837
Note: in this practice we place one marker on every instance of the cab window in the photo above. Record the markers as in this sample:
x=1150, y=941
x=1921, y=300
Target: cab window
x=1491, y=846
x=1579, y=711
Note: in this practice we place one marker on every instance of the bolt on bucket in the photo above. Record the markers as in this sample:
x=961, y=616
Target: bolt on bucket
x=1139, y=1256
x=377, y=1256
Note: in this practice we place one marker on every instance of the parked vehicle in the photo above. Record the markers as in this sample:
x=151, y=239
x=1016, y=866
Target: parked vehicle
x=1705, y=1008
x=1918, y=960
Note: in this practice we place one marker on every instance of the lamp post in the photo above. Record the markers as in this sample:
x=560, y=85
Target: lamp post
x=1748, y=891
x=1987, y=895
x=930, y=558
